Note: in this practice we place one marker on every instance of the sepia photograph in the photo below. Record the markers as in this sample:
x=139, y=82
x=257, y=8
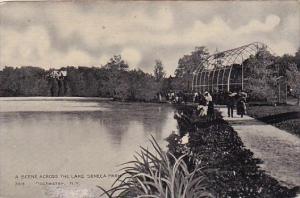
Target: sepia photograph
x=150, y=99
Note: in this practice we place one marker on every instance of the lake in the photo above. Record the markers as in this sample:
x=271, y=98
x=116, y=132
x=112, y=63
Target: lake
x=64, y=147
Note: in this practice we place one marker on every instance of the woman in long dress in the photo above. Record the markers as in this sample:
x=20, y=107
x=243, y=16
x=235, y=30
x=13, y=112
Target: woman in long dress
x=241, y=107
x=210, y=106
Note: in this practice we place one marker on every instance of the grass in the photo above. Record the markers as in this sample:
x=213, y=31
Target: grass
x=283, y=117
x=160, y=175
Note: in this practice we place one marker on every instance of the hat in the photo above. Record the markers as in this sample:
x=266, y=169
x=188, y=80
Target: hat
x=233, y=94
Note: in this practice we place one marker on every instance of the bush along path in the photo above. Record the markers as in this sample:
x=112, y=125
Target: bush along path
x=231, y=169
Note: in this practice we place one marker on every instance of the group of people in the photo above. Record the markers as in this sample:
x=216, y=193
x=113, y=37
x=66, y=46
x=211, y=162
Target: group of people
x=177, y=97
x=232, y=100
x=238, y=100
x=205, y=105
x=205, y=101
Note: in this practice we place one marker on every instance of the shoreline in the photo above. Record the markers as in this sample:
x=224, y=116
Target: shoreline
x=17, y=98
x=20, y=98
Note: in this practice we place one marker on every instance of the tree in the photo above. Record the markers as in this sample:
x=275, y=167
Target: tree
x=284, y=64
x=297, y=58
x=187, y=65
x=116, y=63
x=260, y=76
x=293, y=80
x=159, y=72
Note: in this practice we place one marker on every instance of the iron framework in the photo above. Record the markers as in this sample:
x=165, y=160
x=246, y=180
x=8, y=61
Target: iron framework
x=224, y=71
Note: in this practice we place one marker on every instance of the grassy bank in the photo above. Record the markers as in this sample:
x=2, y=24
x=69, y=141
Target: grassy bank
x=283, y=117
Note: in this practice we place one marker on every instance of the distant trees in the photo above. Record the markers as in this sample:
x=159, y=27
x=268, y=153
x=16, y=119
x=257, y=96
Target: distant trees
x=159, y=72
x=289, y=67
x=24, y=81
x=297, y=58
x=133, y=85
x=264, y=72
x=116, y=63
x=260, y=76
x=114, y=79
x=293, y=80
x=187, y=65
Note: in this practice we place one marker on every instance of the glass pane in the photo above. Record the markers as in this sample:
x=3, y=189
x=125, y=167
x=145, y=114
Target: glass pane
x=225, y=78
x=215, y=79
x=220, y=77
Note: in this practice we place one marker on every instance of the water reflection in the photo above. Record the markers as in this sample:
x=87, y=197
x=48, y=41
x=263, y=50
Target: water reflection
x=46, y=136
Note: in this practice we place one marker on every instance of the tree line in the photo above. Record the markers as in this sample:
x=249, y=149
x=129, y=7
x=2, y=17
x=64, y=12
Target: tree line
x=116, y=80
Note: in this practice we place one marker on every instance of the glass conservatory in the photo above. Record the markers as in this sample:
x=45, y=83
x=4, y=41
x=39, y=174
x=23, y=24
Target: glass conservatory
x=224, y=71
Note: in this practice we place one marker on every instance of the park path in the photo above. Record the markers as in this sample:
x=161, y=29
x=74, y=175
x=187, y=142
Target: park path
x=279, y=150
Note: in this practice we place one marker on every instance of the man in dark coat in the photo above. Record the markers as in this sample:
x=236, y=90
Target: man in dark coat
x=230, y=104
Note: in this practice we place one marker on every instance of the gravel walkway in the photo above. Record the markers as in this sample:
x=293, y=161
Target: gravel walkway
x=279, y=150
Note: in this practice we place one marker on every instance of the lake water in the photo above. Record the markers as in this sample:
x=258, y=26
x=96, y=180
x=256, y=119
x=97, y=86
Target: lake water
x=73, y=144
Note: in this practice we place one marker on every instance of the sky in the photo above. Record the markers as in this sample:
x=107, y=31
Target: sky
x=56, y=34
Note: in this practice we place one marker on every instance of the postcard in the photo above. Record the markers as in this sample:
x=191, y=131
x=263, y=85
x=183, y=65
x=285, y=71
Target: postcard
x=182, y=99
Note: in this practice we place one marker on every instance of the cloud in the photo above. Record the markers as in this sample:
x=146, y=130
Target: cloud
x=101, y=28
x=218, y=31
x=27, y=47
x=257, y=26
x=282, y=47
x=104, y=59
x=131, y=56
x=33, y=47
x=59, y=34
x=78, y=58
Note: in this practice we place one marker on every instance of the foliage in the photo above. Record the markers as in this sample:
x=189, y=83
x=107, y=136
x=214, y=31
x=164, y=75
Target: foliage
x=297, y=58
x=288, y=68
x=159, y=175
x=293, y=79
x=159, y=72
x=187, y=65
x=264, y=71
x=25, y=81
x=116, y=63
x=113, y=80
x=260, y=76
x=230, y=167
x=136, y=85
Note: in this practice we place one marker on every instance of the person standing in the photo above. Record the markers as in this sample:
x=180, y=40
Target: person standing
x=195, y=98
x=241, y=106
x=230, y=104
x=210, y=106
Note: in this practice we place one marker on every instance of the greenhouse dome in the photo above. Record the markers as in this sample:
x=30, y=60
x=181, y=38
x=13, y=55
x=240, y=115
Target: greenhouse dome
x=224, y=71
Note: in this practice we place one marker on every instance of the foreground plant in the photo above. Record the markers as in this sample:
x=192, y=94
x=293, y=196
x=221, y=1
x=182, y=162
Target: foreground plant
x=159, y=175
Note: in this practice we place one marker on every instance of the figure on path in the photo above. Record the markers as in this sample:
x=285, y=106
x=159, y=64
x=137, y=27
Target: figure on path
x=230, y=104
x=210, y=106
x=241, y=106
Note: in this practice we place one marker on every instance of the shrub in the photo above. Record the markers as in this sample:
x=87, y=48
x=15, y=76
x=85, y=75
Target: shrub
x=159, y=175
